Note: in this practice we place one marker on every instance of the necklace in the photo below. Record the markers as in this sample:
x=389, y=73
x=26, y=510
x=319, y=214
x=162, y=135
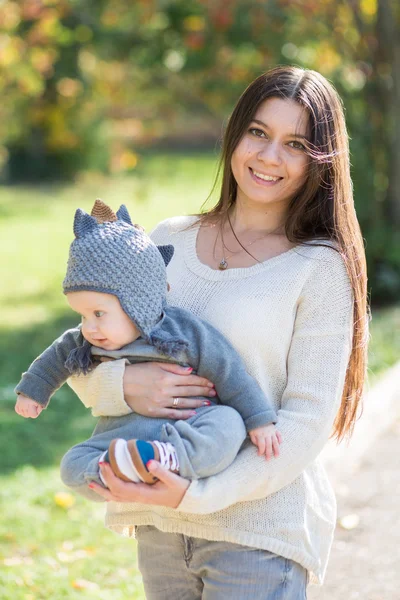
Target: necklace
x=223, y=264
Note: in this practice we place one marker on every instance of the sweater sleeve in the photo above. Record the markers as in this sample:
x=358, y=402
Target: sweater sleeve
x=316, y=365
x=102, y=389
x=48, y=372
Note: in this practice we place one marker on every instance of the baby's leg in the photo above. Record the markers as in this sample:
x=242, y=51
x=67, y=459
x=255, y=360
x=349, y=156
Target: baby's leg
x=80, y=465
x=200, y=447
x=207, y=443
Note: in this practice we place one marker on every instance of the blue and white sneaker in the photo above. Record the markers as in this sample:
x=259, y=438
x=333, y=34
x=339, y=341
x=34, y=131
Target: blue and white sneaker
x=128, y=459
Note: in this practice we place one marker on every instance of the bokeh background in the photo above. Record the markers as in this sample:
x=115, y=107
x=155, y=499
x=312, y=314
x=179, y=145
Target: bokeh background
x=127, y=101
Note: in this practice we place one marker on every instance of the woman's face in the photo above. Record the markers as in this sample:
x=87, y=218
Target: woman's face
x=270, y=163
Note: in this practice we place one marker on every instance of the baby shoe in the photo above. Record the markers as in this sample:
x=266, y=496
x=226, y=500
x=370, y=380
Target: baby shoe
x=128, y=459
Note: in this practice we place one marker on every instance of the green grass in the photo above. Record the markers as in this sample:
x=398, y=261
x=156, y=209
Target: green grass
x=384, y=349
x=55, y=546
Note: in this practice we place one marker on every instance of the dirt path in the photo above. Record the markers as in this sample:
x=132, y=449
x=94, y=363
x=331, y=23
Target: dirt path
x=365, y=559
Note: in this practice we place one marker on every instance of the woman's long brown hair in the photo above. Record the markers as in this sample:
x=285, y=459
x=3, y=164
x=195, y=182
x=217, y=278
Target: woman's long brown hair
x=323, y=209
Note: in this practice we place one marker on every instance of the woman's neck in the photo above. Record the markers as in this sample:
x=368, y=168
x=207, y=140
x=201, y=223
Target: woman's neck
x=257, y=220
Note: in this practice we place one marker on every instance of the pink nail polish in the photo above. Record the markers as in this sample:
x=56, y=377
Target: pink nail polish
x=189, y=368
x=91, y=485
x=149, y=463
x=207, y=403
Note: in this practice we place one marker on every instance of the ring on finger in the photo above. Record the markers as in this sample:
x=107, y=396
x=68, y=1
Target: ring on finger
x=176, y=401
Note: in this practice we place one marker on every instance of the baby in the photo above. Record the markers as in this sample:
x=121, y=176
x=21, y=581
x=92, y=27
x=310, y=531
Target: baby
x=116, y=280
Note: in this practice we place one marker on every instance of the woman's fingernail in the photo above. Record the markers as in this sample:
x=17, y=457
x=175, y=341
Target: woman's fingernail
x=207, y=403
x=189, y=368
x=193, y=413
x=149, y=464
x=102, y=463
x=91, y=485
x=212, y=393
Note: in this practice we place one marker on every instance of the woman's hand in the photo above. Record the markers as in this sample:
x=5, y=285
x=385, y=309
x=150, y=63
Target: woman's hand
x=168, y=491
x=163, y=390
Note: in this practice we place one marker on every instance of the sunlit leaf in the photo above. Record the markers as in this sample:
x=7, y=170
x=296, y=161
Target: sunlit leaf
x=194, y=23
x=84, y=584
x=369, y=7
x=64, y=499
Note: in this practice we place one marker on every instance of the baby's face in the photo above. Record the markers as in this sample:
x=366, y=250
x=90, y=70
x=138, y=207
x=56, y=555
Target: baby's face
x=104, y=323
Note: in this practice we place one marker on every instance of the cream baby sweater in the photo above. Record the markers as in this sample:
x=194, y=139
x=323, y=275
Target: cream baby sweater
x=290, y=318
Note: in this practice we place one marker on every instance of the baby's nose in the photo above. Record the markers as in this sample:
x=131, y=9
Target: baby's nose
x=90, y=326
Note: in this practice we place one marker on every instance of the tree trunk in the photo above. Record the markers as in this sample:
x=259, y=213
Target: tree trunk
x=388, y=66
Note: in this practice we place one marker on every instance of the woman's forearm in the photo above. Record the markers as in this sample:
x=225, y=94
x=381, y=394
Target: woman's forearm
x=251, y=477
x=308, y=409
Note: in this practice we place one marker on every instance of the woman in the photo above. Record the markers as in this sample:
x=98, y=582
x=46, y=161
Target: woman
x=278, y=266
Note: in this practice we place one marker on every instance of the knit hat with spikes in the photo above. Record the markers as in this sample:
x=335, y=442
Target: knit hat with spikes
x=111, y=255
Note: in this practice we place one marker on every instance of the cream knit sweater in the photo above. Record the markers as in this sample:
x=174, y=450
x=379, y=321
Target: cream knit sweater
x=290, y=318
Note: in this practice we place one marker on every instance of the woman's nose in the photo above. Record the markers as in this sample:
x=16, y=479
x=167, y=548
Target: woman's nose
x=270, y=154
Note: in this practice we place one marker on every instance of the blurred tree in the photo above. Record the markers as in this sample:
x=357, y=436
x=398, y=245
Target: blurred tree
x=44, y=119
x=84, y=81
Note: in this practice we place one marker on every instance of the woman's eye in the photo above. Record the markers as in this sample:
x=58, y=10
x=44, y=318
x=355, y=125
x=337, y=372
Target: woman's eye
x=257, y=132
x=297, y=145
x=98, y=313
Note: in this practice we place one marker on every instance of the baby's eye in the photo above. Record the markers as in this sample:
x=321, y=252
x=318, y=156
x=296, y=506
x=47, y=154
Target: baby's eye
x=257, y=132
x=98, y=313
x=297, y=145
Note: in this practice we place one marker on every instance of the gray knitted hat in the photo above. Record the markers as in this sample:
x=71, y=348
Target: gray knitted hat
x=112, y=256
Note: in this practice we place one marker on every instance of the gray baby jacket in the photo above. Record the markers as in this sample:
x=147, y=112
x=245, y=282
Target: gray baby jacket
x=207, y=351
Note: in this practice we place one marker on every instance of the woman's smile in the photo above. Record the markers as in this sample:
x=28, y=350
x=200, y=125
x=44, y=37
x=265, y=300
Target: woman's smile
x=264, y=179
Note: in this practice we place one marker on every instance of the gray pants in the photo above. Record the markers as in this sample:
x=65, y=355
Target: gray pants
x=205, y=444
x=179, y=567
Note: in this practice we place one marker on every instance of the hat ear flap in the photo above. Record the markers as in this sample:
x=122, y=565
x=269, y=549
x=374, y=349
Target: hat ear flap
x=167, y=253
x=83, y=223
x=123, y=215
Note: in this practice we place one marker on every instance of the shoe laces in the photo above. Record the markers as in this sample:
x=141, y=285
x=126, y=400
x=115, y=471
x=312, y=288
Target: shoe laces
x=168, y=456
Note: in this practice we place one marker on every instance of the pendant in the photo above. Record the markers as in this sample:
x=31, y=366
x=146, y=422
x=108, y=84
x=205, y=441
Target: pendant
x=223, y=265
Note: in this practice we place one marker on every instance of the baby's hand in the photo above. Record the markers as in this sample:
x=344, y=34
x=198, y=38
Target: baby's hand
x=267, y=440
x=28, y=408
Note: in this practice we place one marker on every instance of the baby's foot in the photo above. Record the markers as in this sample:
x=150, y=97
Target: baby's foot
x=128, y=459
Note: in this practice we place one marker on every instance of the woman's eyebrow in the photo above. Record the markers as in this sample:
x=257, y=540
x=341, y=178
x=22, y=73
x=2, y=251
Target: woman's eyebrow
x=296, y=135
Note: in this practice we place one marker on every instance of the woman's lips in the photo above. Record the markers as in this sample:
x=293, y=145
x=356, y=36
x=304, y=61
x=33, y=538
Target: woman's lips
x=263, y=181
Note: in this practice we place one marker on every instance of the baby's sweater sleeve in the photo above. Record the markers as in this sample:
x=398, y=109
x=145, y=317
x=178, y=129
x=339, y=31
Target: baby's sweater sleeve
x=316, y=365
x=218, y=361
x=48, y=372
